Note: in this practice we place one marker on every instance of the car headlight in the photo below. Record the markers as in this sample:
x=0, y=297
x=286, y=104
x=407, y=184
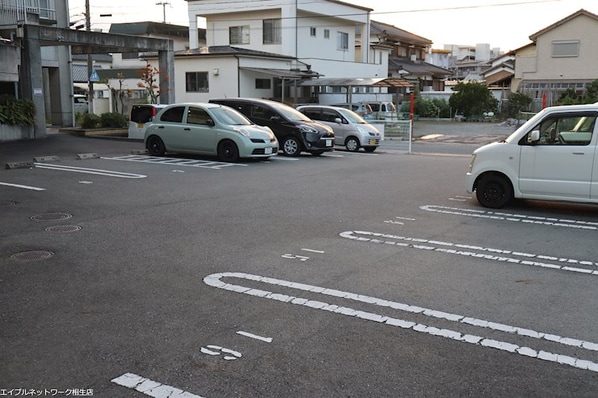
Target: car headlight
x=242, y=132
x=307, y=129
x=471, y=162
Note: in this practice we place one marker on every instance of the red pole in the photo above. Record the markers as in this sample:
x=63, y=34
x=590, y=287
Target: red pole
x=411, y=105
x=543, y=100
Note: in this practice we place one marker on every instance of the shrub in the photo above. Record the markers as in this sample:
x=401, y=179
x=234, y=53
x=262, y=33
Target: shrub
x=113, y=120
x=16, y=112
x=472, y=99
x=90, y=121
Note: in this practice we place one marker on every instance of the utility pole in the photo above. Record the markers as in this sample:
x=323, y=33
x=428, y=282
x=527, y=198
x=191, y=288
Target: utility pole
x=163, y=4
x=89, y=59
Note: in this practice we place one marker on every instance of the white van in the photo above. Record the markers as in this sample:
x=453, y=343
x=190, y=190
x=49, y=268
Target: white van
x=141, y=116
x=550, y=157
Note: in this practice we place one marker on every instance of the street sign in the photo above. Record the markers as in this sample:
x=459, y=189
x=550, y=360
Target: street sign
x=94, y=77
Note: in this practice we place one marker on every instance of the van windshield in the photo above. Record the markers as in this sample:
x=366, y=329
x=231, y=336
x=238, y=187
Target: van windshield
x=291, y=114
x=352, y=117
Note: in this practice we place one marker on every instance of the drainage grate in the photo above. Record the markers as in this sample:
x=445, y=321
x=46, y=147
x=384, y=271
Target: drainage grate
x=33, y=255
x=51, y=217
x=7, y=203
x=64, y=228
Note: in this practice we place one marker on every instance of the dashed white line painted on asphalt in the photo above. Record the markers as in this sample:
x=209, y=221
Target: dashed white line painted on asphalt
x=86, y=170
x=313, y=250
x=206, y=164
x=555, y=222
x=255, y=336
x=8, y=184
x=151, y=388
x=215, y=280
x=295, y=257
x=487, y=253
x=214, y=350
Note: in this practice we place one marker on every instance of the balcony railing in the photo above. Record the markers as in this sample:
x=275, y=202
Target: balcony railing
x=13, y=12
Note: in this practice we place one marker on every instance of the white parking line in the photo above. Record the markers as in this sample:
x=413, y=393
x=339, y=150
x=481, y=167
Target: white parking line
x=555, y=222
x=215, y=280
x=488, y=253
x=255, y=336
x=206, y=164
x=86, y=170
x=7, y=184
x=151, y=388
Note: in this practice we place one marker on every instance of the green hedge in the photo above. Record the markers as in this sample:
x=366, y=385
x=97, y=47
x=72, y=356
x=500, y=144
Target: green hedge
x=16, y=112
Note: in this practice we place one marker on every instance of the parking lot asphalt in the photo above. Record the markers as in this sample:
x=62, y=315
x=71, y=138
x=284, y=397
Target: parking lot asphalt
x=62, y=144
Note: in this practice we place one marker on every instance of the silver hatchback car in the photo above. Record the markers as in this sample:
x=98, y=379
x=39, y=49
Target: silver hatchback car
x=350, y=129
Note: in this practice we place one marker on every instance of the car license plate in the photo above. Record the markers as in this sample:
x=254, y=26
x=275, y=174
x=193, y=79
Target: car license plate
x=372, y=142
x=328, y=142
x=268, y=151
x=139, y=125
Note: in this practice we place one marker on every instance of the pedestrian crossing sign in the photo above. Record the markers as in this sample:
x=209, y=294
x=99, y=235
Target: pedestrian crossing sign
x=94, y=77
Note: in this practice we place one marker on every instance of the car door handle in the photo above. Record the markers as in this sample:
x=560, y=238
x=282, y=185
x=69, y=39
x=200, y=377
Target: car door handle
x=579, y=153
x=187, y=129
x=160, y=127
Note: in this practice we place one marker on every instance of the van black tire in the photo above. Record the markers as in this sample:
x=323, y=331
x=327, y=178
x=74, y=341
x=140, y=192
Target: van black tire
x=494, y=191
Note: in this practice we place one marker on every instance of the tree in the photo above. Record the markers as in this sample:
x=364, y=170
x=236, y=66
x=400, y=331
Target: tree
x=472, y=99
x=149, y=77
x=518, y=102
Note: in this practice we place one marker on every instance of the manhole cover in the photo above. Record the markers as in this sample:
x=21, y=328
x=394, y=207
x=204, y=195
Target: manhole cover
x=7, y=203
x=33, y=255
x=63, y=228
x=51, y=217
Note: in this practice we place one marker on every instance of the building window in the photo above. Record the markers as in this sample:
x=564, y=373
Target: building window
x=263, y=83
x=238, y=34
x=272, y=32
x=342, y=41
x=326, y=33
x=312, y=31
x=565, y=48
x=197, y=82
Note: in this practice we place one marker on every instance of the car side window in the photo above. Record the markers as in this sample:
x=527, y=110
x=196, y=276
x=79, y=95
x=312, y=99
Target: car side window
x=260, y=112
x=313, y=114
x=174, y=115
x=564, y=130
x=330, y=115
x=197, y=116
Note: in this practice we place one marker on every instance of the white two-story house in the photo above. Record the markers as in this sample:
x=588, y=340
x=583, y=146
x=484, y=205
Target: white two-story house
x=264, y=48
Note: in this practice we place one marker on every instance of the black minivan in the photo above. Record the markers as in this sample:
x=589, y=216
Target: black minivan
x=295, y=131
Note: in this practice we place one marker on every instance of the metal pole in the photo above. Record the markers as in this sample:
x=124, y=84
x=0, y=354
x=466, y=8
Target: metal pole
x=89, y=59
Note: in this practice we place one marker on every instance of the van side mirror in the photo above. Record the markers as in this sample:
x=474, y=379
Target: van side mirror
x=534, y=136
x=210, y=123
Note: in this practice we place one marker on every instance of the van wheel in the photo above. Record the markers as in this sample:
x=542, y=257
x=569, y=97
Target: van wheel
x=228, y=151
x=291, y=146
x=155, y=146
x=352, y=144
x=494, y=191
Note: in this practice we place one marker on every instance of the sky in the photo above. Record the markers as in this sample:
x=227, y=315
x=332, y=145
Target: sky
x=506, y=24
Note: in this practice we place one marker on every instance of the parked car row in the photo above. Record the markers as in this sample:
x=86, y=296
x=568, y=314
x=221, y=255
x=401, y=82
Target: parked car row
x=233, y=128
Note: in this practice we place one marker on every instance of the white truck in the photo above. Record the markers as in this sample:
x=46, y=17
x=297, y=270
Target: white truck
x=550, y=157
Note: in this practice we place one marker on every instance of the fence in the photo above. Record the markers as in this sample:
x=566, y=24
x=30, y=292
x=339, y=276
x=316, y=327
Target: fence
x=398, y=131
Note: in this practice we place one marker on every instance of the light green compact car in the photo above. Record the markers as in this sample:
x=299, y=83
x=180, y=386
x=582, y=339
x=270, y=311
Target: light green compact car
x=208, y=129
